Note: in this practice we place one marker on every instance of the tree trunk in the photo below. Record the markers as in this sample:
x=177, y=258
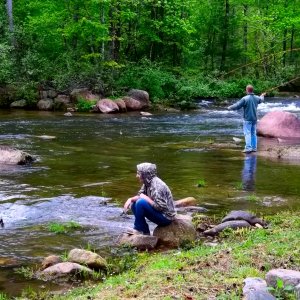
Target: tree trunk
x=225, y=36
x=284, y=47
x=9, y=8
x=292, y=44
x=102, y=20
x=114, y=30
x=245, y=39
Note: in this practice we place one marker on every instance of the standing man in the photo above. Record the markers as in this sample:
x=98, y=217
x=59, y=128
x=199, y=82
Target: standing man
x=249, y=103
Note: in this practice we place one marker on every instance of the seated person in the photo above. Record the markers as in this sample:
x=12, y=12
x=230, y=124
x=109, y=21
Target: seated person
x=154, y=201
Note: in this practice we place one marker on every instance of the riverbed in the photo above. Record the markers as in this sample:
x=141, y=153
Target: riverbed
x=85, y=170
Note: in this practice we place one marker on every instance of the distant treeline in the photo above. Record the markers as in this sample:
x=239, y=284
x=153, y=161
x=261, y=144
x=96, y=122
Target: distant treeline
x=176, y=50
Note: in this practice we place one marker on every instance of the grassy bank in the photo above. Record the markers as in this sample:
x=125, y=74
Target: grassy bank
x=205, y=272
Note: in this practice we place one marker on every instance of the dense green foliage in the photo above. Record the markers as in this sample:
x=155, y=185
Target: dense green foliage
x=176, y=50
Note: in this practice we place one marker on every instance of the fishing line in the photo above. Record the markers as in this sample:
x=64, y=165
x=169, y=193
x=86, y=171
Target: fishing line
x=282, y=84
x=256, y=61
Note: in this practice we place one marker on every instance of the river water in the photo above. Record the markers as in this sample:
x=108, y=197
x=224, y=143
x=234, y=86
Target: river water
x=87, y=172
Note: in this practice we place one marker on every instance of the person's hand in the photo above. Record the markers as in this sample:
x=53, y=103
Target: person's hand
x=263, y=94
x=127, y=204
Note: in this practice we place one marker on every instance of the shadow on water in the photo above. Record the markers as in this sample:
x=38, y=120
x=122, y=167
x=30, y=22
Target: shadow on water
x=87, y=171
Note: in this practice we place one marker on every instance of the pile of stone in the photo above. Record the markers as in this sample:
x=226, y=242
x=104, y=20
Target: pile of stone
x=135, y=100
x=79, y=262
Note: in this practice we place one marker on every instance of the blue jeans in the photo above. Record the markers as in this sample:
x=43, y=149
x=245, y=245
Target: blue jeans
x=141, y=210
x=250, y=135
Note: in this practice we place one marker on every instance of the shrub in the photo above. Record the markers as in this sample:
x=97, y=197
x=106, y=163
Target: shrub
x=84, y=106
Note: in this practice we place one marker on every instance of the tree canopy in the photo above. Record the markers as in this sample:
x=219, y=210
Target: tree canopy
x=172, y=48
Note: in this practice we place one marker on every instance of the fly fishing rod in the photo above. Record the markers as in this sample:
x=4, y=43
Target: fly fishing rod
x=282, y=84
x=260, y=60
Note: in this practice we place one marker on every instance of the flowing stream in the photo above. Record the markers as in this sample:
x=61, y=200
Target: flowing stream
x=87, y=172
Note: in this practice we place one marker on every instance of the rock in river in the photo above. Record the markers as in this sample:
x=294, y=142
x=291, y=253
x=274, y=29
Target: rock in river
x=12, y=156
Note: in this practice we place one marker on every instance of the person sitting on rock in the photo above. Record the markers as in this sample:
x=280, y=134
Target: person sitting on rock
x=154, y=200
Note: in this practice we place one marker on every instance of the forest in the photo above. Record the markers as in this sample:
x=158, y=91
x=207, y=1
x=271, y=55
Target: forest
x=177, y=50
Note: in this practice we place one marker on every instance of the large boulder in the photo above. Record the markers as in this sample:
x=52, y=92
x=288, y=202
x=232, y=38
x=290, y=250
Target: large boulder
x=62, y=102
x=106, y=106
x=87, y=258
x=133, y=104
x=83, y=94
x=279, y=124
x=121, y=104
x=48, y=94
x=256, y=289
x=140, y=95
x=18, y=104
x=289, y=277
x=45, y=104
x=137, y=100
x=181, y=230
x=12, y=156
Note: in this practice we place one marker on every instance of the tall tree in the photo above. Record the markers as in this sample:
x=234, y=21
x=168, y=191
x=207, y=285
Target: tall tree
x=9, y=8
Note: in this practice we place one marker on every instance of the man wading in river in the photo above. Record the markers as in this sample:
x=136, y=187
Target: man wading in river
x=249, y=103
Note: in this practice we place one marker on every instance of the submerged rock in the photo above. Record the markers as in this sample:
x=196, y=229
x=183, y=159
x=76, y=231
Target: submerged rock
x=12, y=156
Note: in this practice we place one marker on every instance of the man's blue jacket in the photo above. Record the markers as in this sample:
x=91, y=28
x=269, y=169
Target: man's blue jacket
x=249, y=103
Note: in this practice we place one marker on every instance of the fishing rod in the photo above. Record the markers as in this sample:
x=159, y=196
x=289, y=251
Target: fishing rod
x=282, y=84
x=256, y=61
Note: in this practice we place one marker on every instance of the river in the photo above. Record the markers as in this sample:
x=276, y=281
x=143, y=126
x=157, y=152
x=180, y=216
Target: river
x=87, y=172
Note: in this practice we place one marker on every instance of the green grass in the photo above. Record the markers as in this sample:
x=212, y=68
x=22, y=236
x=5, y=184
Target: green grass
x=26, y=272
x=60, y=228
x=204, y=272
x=201, y=183
x=3, y=296
x=252, y=198
x=238, y=185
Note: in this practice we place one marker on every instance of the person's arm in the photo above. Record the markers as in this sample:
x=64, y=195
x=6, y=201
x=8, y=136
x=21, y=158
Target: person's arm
x=237, y=105
x=160, y=197
x=148, y=199
x=262, y=97
x=129, y=201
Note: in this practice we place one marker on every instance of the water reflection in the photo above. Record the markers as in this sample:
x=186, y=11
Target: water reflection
x=248, y=173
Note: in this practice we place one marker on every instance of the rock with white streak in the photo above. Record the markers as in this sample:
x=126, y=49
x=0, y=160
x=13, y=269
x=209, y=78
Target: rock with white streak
x=12, y=156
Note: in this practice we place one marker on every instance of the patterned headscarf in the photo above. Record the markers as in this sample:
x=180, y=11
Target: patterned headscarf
x=147, y=171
